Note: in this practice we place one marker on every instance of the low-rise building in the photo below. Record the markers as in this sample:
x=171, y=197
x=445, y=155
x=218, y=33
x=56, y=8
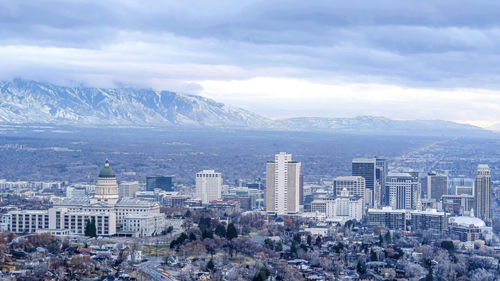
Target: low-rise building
x=387, y=217
x=141, y=225
x=26, y=221
x=344, y=207
x=76, y=222
x=467, y=228
x=429, y=219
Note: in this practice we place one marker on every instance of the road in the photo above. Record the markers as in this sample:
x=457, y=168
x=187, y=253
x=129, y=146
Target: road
x=150, y=268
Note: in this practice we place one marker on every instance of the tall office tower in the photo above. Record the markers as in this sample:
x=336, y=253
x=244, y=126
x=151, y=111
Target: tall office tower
x=161, y=182
x=366, y=168
x=283, y=180
x=404, y=191
x=355, y=185
x=382, y=169
x=208, y=186
x=423, y=187
x=482, y=193
x=128, y=189
x=437, y=186
x=301, y=189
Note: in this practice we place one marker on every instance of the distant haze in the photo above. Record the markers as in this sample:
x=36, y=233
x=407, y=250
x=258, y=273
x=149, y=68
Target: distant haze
x=280, y=59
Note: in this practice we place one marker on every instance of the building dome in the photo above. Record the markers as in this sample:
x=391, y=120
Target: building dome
x=467, y=221
x=107, y=172
x=106, y=189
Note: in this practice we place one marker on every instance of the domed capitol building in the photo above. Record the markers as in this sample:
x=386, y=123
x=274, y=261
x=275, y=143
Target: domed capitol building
x=112, y=215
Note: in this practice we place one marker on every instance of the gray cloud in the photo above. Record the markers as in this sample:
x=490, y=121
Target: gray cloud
x=170, y=44
x=442, y=44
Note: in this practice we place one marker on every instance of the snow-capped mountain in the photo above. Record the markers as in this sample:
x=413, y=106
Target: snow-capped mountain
x=24, y=101
x=380, y=125
x=28, y=102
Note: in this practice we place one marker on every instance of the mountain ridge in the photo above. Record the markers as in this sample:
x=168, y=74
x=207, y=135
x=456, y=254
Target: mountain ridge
x=26, y=101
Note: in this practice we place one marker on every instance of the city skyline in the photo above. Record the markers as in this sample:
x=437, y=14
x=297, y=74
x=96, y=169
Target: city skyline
x=249, y=140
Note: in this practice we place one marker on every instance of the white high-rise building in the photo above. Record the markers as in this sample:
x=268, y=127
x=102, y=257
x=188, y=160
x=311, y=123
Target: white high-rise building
x=283, y=184
x=404, y=191
x=482, y=193
x=208, y=186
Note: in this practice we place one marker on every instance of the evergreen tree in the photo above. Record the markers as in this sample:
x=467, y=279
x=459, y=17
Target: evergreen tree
x=309, y=240
x=373, y=256
x=278, y=247
x=207, y=234
x=361, y=268
x=448, y=245
x=293, y=248
x=388, y=237
x=182, y=238
x=303, y=247
x=231, y=232
x=187, y=214
x=430, y=275
x=262, y=275
x=210, y=265
x=93, y=228
x=204, y=224
x=318, y=241
x=380, y=239
x=297, y=238
x=90, y=228
x=268, y=243
x=192, y=237
x=400, y=253
x=173, y=244
x=87, y=227
x=220, y=231
x=348, y=224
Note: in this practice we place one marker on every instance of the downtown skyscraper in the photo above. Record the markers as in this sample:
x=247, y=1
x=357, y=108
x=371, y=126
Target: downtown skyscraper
x=482, y=193
x=404, y=191
x=282, y=185
x=208, y=186
x=382, y=169
x=366, y=168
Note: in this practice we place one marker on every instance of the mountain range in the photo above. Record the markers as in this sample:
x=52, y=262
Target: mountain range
x=28, y=102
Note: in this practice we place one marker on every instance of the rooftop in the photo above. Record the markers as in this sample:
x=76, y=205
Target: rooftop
x=134, y=201
x=467, y=221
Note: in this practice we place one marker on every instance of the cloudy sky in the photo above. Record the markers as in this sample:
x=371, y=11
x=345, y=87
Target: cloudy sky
x=400, y=59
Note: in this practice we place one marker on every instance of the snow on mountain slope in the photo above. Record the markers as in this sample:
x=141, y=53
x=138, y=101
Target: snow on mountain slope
x=27, y=102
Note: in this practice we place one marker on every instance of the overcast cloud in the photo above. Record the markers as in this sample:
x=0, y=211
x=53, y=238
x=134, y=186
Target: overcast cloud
x=400, y=59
